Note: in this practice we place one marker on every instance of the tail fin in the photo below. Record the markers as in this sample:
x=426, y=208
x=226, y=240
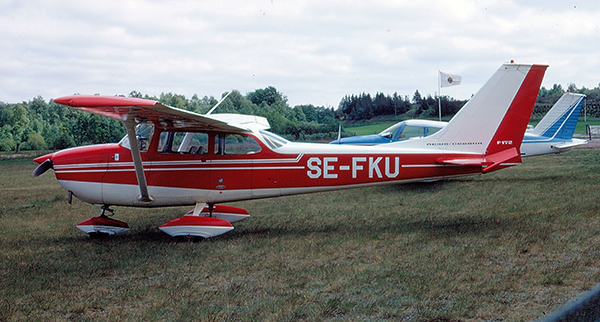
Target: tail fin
x=561, y=120
x=495, y=118
x=511, y=130
x=492, y=124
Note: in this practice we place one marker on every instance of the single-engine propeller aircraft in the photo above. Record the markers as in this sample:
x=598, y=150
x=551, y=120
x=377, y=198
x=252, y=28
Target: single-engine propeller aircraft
x=172, y=157
x=553, y=134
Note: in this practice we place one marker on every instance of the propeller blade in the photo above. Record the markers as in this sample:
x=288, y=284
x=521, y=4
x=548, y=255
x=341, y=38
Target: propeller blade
x=43, y=167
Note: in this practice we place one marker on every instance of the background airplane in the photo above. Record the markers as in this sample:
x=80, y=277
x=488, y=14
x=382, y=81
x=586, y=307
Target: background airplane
x=173, y=157
x=553, y=134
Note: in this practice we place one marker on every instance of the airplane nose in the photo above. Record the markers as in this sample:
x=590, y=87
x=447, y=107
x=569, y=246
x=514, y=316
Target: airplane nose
x=40, y=160
x=45, y=163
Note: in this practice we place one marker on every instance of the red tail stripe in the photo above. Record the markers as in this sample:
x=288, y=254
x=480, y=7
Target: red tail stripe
x=512, y=128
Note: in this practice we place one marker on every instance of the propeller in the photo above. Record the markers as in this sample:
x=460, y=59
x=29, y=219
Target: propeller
x=43, y=167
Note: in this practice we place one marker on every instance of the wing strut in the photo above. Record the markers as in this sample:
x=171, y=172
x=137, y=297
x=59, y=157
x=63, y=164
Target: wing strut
x=137, y=162
x=218, y=103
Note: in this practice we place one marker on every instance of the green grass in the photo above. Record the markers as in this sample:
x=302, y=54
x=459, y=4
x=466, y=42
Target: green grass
x=511, y=245
x=580, y=127
x=373, y=128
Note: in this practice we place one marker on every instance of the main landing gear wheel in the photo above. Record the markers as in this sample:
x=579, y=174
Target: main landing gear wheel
x=103, y=226
x=204, y=221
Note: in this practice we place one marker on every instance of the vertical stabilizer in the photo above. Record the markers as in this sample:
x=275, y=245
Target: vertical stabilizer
x=561, y=120
x=495, y=118
x=511, y=130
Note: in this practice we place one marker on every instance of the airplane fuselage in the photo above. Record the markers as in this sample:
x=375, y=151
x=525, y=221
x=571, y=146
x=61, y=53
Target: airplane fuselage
x=105, y=174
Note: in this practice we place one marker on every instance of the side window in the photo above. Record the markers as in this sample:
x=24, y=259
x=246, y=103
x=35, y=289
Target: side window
x=183, y=142
x=412, y=132
x=431, y=130
x=235, y=144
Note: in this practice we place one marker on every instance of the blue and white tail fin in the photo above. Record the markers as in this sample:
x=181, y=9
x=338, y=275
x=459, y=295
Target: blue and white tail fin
x=562, y=118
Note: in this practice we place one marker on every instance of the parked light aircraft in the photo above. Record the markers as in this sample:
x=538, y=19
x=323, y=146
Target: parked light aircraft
x=553, y=134
x=172, y=157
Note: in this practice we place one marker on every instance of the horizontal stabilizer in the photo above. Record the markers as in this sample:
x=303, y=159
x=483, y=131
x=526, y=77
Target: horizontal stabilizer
x=503, y=159
x=570, y=144
x=477, y=162
x=489, y=163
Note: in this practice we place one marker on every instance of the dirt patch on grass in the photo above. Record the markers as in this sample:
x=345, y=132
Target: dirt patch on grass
x=21, y=155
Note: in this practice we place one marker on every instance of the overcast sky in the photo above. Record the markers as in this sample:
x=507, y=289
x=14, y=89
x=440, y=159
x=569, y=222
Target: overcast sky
x=312, y=51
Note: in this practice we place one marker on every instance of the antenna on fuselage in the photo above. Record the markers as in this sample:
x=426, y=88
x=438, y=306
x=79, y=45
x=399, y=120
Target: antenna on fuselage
x=219, y=103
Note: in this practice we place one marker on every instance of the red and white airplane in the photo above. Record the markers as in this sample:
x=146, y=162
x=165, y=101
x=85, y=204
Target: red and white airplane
x=173, y=157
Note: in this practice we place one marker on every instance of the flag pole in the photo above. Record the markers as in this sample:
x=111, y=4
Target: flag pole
x=440, y=94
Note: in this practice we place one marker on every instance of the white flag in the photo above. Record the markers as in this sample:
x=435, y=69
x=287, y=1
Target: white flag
x=449, y=79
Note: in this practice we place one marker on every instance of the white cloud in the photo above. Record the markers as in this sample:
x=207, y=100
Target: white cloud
x=311, y=51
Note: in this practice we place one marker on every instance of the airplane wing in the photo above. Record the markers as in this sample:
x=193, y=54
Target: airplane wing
x=128, y=109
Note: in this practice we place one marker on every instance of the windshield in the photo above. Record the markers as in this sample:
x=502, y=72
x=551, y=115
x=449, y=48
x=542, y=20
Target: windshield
x=390, y=131
x=143, y=132
x=273, y=140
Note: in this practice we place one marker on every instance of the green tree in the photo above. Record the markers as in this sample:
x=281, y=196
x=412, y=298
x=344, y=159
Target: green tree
x=36, y=142
x=268, y=95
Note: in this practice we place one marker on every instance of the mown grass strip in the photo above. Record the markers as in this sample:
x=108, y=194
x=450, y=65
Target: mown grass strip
x=510, y=245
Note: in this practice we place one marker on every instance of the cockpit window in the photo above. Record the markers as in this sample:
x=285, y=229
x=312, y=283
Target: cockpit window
x=143, y=133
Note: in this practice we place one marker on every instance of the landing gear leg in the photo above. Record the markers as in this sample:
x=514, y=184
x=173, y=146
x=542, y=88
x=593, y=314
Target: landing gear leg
x=106, y=208
x=200, y=206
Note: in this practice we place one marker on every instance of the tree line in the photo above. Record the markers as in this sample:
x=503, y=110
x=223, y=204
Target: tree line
x=38, y=125
x=364, y=107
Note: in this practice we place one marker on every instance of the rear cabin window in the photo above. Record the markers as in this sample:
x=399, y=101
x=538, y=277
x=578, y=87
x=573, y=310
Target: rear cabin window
x=235, y=144
x=431, y=130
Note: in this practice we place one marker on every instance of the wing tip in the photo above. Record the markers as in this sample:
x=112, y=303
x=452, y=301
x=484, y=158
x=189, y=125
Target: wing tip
x=98, y=100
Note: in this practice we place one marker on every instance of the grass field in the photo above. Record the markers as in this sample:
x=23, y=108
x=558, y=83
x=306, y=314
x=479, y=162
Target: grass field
x=507, y=246
x=375, y=128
